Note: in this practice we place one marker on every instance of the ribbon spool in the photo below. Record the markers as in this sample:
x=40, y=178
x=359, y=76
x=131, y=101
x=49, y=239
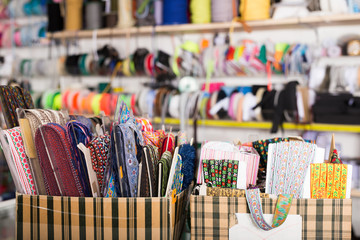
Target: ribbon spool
x=175, y=12
x=114, y=100
x=125, y=18
x=4, y=11
x=105, y=103
x=57, y=104
x=224, y=10
x=17, y=37
x=55, y=18
x=73, y=16
x=93, y=15
x=188, y=84
x=89, y=100
x=255, y=10
x=158, y=6
x=95, y=104
x=200, y=11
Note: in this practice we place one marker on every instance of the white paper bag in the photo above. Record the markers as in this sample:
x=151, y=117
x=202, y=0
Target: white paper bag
x=246, y=229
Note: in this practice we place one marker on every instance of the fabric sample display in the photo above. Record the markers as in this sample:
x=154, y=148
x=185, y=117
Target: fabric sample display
x=287, y=166
x=328, y=181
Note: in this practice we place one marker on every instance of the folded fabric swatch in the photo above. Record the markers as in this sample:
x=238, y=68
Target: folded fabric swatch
x=148, y=181
x=165, y=163
x=188, y=155
x=12, y=98
x=118, y=163
x=57, y=162
x=99, y=151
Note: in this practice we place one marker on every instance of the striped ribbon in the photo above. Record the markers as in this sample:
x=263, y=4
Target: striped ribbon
x=79, y=133
x=20, y=160
x=57, y=161
x=281, y=211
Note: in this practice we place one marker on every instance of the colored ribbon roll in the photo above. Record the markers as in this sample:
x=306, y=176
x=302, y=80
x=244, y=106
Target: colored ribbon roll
x=93, y=15
x=200, y=11
x=73, y=15
x=125, y=18
x=175, y=12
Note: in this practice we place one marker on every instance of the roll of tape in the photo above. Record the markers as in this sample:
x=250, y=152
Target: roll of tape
x=64, y=98
x=57, y=104
x=259, y=95
x=174, y=106
x=95, y=104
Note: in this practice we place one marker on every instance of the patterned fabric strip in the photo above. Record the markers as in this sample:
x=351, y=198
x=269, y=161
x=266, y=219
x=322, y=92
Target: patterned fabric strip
x=79, y=133
x=315, y=180
x=20, y=159
x=281, y=211
x=344, y=171
x=132, y=164
x=145, y=124
x=178, y=176
x=337, y=181
x=323, y=179
x=329, y=180
x=165, y=161
x=99, y=152
x=57, y=162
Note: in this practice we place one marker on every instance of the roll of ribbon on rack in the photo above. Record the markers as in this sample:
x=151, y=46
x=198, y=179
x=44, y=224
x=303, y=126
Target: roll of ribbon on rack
x=55, y=18
x=200, y=11
x=158, y=9
x=255, y=9
x=93, y=15
x=73, y=16
x=125, y=18
x=175, y=12
x=223, y=10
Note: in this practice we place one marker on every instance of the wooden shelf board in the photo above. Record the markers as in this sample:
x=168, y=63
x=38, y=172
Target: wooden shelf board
x=267, y=125
x=326, y=20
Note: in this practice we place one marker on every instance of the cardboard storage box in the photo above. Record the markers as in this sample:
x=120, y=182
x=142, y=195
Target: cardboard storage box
x=46, y=217
x=212, y=217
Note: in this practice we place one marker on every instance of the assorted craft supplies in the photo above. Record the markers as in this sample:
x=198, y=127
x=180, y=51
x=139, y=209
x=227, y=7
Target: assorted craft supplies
x=60, y=155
